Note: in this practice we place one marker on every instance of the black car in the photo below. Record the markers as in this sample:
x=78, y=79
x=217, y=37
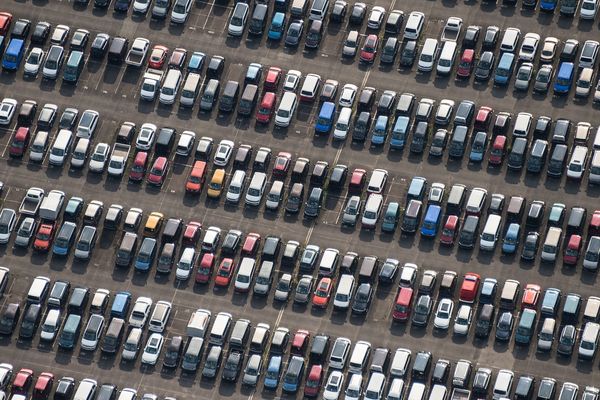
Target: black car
x=173, y=353
x=122, y=5
x=253, y=74
x=389, y=51
x=530, y=247
x=319, y=174
x=271, y=248
x=46, y=117
x=64, y=389
x=9, y=318
x=421, y=365
x=80, y=39
x=483, y=70
x=504, y=327
x=21, y=29
x=542, y=127
x=388, y=271
x=78, y=301
x=367, y=99
x=294, y=33
x=394, y=22
x=215, y=67
x=386, y=103
x=569, y=51
x=339, y=11
x=422, y=310
x=99, y=45
x=232, y=367
x=68, y=119
x=40, y=33
x=535, y=216
x=441, y=370
x=409, y=53
x=101, y=3
x=362, y=298
x=490, y=39
x=242, y=157
x=231, y=241
x=471, y=37
x=107, y=392
x=359, y=10
x=338, y=176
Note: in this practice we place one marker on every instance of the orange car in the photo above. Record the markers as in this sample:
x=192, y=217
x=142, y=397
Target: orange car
x=323, y=292
x=531, y=295
x=196, y=179
x=44, y=237
x=225, y=272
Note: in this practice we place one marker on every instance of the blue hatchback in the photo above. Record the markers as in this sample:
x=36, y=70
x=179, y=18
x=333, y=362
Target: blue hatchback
x=511, y=239
x=277, y=26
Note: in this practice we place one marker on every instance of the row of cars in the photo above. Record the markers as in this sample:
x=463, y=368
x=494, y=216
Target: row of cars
x=306, y=363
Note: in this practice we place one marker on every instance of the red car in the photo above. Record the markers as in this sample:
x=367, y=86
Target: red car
x=22, y=381
x=196, y=178
x=158, y=173
x=369, y=49
x=594, y=225
x=323, y=293
x=483, y=119
x=205, y=268
x=5, y=20
x=43, y=386
x=531, y=295
x=470, y=287
x=465, y=66
x=266, y=108
x=282, y=164
x=272, y=78
x=357, y=180
x=251, y=244
x=177, y=59
x=498, y=150
x=158, y=57
x=450, y=230
x=44, y=237
x=224, y=272
x=138, y=169
x=192, y=232
x=300, y=342
x=313, y=381
x=20, y=142
x=573, y=250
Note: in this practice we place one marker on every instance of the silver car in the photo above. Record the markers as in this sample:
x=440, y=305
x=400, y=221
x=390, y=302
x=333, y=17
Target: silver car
x=303, y=289
x=351, y=211
x=524, y=75
x=543, y=78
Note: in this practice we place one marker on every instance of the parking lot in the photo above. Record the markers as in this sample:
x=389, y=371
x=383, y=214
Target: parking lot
x=113, y=91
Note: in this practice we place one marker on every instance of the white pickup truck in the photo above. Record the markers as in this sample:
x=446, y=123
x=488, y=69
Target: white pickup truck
x=151, y=83
x=452, y=29
x=31, y=202
x=118, y=159
x=137, y=53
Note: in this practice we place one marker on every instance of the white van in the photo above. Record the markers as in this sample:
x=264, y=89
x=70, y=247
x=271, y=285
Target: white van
x=503, y=384
x=170, y=87
x=80, y=153
x=160, y=316
x=400, y=362
x=38, y=290
x=61, y=147
x=198, y=323
x=190, y=90
x=244, y=274
x=318, y=10
x=414, y=25
x=220, y=329
x=447, y=56
x=551, y=244
x=286, y=109
x=329, y=261
x=372, y=211
x=522, y=125
x=86, y=389
x=342, y=125
x=51, y=325
x=359, y=357
x=344, y=293
x=264, y=278
x=256, y=189
x=438, y=392
x=489, y=236
x=236, y=186
x=186, y=262
x=428, y=55
x=377, y=181
x=374, y=389
x=510, y=40
x=577, y=163
x=274, y=196
x=594, y=176
x=417, y=391
x=589, y=340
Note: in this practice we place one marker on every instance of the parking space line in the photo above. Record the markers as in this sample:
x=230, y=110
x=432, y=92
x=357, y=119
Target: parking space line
x=212, y=4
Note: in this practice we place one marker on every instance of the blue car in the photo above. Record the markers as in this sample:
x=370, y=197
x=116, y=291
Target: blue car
x=273, y=373
x=431, y=222
x=277, y=26
x=478, y=148
x=380, y=130
x=145, y=256
x=511, y=239
x=196, y=62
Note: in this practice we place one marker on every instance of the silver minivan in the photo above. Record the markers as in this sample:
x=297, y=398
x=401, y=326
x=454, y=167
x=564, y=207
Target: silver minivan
x=190, y=90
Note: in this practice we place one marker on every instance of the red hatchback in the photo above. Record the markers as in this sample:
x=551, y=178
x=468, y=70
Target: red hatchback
x=20, y=142
x=158, y=57
x=357, y=180
x=300, y=342
x=272, y=79
x=224, y=272
x=192, y=232
x=369, y=50
x=483, y=119
x=22, y=381
x=573, y=250
x=282, y=164
x=266, y=108
x=470, y=287
x=465, y=66
x=138, y=170
x=450, y=230
x=251, y=244
x=205, y=268
x=43, y=386
x=498, y=150
x=313, y=381
x=531, y=295
x=44, y=237
x=158, y=173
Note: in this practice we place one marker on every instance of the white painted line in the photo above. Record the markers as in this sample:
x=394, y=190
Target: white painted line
x=212, y=4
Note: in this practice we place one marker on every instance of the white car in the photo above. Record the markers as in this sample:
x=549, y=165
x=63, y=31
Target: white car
x=436, y=193
x=99, y=157
x=354, y=389
x=141, y=6
x=140, y=312
x=6, y=372
x=524, y=75
x=283, y=288
x=211, y=239
x=181, y=10
x=7, y=111
x=186, y=143
x=462, y=322
x=292, y=80
x=310, y=87
x=588, y=9
x=376, y=17
x=529, y=47
x=443, y=315
x=34, y=60
x=152, y=349
x=333, y=387
x=223, y=153
x=145, y=138
x=237, y=22
x=87, y=124
x=549, y=49
x=348, y=95
x=60, y=34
